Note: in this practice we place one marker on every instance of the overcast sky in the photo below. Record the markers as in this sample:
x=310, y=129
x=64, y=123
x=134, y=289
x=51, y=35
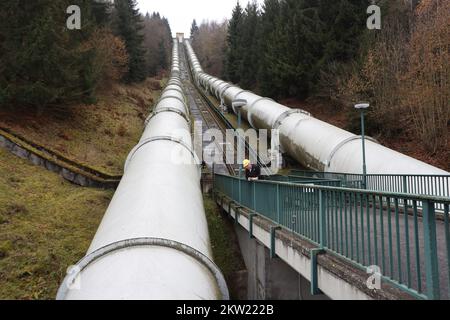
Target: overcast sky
x=181, y=12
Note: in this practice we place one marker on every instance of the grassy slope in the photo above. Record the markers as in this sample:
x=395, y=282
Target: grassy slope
x=99, y=135
x=46, y=225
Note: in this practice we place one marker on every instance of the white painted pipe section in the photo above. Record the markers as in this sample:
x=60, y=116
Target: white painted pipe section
x=153, y=242
x=313, y=143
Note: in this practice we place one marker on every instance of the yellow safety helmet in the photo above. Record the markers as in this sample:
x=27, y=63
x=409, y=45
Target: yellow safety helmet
x=246, y=163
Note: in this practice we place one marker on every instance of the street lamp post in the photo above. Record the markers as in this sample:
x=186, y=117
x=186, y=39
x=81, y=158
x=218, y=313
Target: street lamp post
x=237, y=105
x=362, y=107
x=240, y=156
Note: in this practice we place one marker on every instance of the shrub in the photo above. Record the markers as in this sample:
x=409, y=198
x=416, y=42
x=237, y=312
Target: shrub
x=122, y=131
x=426, y=82
x=111, y=59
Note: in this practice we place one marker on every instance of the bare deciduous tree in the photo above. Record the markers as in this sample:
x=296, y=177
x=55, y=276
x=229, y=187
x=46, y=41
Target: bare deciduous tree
x=210, y=45
x=427, y=79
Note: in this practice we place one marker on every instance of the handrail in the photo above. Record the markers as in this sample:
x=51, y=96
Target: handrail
x=406, y=235
x=369, y=174
x=406, y=196
x=426, y=184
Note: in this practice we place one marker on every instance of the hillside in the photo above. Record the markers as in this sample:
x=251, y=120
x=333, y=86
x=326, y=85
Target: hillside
x=47, y=223
x=405, y=143
x=98, y=135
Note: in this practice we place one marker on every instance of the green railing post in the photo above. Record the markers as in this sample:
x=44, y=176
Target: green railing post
x=314, y=272
x=322, y=220
x=232, y=189
x=250, y=224
x=405, y=184
x=273, y=231
x=431, y=256
x=213, y=177
x=363, y=150
x=240, y=191
x=254, y=196
x=240, y=155
x=278, y=203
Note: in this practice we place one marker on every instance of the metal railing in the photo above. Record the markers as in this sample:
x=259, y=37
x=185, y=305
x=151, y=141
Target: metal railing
x=410, y=246
x=304, y=180
x=433, y=185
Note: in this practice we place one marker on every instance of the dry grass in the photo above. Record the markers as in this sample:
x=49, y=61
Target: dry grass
x=46, y=225
x=99, y=135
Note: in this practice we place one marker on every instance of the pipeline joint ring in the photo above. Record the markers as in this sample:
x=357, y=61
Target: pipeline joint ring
x=343, y=143
x=173, y=97
x=249, y=116
x=140, y=242
x=168, y=109
x=161, y=138
x=286, y=114
x=212, y=83
x=173, y=89
x=224, y=89
x=235, y=96
x=175, y=82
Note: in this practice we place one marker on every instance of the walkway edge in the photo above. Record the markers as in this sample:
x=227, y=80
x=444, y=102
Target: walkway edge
x=69, y=169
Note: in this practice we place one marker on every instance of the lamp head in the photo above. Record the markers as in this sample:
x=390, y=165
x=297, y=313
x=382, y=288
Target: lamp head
x=362, y=106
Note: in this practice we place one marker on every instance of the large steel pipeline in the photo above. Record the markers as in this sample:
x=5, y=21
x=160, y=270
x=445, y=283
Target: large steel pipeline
x=313, y=143
x=153, y=242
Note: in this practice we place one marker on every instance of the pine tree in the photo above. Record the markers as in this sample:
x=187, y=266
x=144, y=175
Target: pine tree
x=300, y=47
x=101, y=10
x=234, y=46
x=41, y=63
x=162, y=55
x=343, y=24
x=269, y=48
x=283, y=50
x=194, y=29
x=249, y=42
x=128, y=25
